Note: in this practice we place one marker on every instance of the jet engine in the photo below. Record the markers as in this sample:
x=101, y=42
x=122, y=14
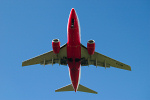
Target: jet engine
x=56, y=45
x=91, y=47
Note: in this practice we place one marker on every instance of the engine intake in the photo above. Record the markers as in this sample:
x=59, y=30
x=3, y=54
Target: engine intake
x=91, y=47
x=56, y=45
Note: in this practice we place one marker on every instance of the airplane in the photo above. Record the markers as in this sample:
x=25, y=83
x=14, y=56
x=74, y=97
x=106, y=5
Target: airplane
x=75, y=55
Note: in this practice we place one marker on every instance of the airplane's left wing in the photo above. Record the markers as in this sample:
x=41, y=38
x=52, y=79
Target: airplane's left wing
x=49, y=58
x=98, y=59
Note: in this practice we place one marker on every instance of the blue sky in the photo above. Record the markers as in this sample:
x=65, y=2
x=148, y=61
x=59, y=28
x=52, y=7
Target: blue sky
x=121, y=29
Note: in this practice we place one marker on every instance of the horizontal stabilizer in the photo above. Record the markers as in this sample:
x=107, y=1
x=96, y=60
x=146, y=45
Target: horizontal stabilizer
x=65, y=88
x=85, y=89
x=81, y=88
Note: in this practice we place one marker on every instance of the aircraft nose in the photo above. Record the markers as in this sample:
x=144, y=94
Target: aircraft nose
x=73, y=13
x=72, y=10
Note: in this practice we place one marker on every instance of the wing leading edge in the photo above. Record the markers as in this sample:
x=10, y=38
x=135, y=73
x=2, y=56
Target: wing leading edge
x=100, y=60
x=49, y=58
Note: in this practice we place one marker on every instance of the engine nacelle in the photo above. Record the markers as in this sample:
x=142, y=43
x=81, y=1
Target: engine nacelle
x=91, y=47
x=56, y=45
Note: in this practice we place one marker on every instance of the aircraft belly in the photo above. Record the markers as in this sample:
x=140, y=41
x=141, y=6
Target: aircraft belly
x=75, y=76
x=74, y=56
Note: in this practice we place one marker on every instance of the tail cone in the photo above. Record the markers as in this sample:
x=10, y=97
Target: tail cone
x=75, y=90
x=75, y=87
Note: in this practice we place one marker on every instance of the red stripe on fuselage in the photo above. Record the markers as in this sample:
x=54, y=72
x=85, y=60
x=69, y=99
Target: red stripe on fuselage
x=74, y=48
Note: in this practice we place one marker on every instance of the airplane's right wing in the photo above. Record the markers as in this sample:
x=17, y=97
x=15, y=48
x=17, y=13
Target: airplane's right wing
x=49, y=58
x=98, y=59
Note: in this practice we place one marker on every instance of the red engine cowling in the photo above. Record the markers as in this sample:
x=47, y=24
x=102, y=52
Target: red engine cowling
x=56, y=45
x=91, y=47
